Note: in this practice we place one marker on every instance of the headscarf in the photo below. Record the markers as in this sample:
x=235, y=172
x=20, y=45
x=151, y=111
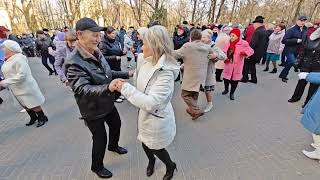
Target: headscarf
x=232, y=47
x=11, y=46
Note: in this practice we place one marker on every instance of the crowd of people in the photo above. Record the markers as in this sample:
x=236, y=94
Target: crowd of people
x=89, y=62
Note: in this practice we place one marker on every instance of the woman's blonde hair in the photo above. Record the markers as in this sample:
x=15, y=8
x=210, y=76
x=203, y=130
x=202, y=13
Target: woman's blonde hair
x=71, y=35
x=160, y=42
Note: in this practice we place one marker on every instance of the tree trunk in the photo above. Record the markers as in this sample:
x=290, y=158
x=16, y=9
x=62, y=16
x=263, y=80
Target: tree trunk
x=314, y=10
x=297, y=12
x=213, y=10
x=194, y=10
x=220, y=9
x=232, y=11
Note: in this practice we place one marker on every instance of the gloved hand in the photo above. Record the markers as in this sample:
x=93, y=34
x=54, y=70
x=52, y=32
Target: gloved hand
x=303, y=75
x=299, y=40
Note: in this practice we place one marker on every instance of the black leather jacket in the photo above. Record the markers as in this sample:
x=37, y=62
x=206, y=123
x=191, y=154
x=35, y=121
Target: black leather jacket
x=90, y=76
x=309, y=59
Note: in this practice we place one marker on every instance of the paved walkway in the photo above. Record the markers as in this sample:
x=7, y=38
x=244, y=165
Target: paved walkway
x=256, y=137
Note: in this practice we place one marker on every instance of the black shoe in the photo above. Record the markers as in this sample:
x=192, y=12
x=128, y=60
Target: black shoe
x=31, y=122
x=218, y=80
x=285, y=80
x=244, y=81
x=266, y=69
x=42, y=121
x=103, y=173
x=170, y=172
x=119, y=150
x=150, y=168
x=50, y=73
x=253, y=81
x=33, y=117
x=281, y=64
x=293, y=100
x=55, y=73
x=225, y=92
x=296, y=69
x=231, y=97
x=1, y=100
x=274, y=71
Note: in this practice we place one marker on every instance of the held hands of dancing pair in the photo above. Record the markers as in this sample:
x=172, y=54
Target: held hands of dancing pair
x=116, y=85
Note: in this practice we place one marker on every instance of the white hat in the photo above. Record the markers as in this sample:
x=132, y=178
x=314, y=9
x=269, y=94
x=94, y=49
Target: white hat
x=11, y=46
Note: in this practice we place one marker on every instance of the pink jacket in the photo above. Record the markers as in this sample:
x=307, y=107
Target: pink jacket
x=233, y=69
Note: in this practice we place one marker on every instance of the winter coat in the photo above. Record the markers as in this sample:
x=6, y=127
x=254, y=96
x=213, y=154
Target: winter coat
x=128, y=46
x=221, y=42
x=27, y=43
x=258, y=44
x=19, y=79
x=179, y=41
x=89, y=77
x=275, y=42
x=111, y=48
x=249, y=33
x=43, y=45
x=315, y=35
x=290, y=39
x=121, y=35
x=221, y=56
x=152, y=95
x=233, y=68
x=311, y=117
x=61, y=54
x=195, y=58
x=309, y=58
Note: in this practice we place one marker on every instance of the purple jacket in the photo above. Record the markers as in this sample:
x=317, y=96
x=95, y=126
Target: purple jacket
x=62, y=52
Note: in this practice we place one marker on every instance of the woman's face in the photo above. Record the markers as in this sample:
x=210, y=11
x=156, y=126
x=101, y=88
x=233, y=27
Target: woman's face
x=71, y=44
x=233, y=37
x=6, y=52
x=112, y=35
x=180, y=32
x=277, y=29
x=206, y=39
x=147, y=51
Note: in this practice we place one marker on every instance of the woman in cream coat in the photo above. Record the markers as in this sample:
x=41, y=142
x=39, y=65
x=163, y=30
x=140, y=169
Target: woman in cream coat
x=19, y=80
x=155, y=86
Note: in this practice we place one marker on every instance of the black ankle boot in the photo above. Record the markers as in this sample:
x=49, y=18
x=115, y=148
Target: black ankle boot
x=33, y=117
x=266, y=69
x=231, y=97
x=170, y=171
x=150, y=168
x=42, y=119
x=274, y=71
x=225, y=92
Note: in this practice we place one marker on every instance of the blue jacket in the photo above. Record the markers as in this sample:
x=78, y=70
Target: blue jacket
x=291, y=37
x=311, y=117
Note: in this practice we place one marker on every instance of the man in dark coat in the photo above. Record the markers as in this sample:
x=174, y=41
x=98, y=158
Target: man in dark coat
x=94, y=84
x=293, y=40
x=43, y=44
x=258, y=44
x=308, y=61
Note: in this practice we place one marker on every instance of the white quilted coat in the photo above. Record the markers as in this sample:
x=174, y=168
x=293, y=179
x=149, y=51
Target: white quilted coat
x=152, y=95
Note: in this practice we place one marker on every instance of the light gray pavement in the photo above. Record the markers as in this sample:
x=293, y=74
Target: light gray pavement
x=256, y=137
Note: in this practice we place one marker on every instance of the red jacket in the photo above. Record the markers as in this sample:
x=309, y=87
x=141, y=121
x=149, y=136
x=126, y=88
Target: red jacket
x=249, y=33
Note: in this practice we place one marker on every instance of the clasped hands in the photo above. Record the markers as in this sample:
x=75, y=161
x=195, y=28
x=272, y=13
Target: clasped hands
x=116, y=85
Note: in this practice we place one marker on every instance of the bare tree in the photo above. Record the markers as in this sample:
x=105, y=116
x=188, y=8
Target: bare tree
x=220, y=9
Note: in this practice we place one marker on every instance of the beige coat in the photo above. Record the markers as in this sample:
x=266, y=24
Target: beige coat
x=222, y=40
x=19, y=80
x=195, y=58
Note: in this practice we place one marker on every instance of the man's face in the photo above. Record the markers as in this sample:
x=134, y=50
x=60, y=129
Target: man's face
x=41, y=36
x=215, y=30
x=89, y=39
x=301, y=23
